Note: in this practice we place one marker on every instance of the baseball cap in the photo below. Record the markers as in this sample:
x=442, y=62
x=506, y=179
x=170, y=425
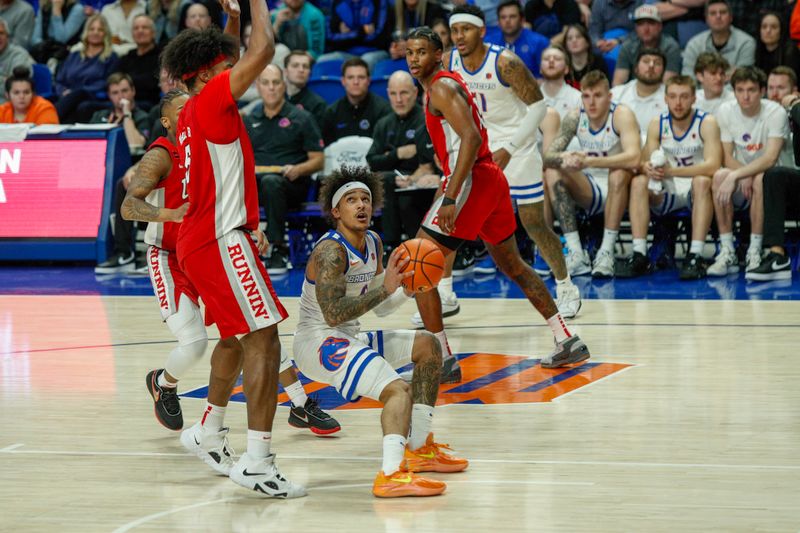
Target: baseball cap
x=646, y=12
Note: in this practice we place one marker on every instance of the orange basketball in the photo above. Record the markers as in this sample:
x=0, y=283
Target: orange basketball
x=427, y=262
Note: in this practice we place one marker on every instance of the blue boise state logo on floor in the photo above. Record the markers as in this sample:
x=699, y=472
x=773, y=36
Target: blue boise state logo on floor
x=332, y=352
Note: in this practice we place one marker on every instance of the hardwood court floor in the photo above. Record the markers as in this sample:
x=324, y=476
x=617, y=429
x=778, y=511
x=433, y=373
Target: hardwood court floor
x=701, y=433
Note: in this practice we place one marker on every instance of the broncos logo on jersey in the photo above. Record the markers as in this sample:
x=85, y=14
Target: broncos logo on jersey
x=332, y=352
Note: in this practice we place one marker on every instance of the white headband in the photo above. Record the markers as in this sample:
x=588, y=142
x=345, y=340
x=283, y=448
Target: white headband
x=466, y=17
x=346, y=188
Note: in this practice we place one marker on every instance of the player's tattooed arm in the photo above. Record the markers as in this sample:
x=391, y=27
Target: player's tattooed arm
x=425, y=385
x=514, y=72
x=330, y=262
x=154, y=165
x=554, y=158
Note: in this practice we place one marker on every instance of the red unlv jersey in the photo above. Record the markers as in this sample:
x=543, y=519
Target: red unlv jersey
x=219, y=167
x=444, y=138
x=169, y=193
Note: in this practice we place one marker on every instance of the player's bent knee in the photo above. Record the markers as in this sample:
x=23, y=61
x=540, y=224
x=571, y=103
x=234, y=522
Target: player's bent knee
x=701, y=184
x=426, y=348
x=639, y=184
x=720, y=175
x=396, y=389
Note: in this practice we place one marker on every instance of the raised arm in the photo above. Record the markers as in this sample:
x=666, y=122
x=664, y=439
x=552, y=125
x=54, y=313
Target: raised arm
x=232, y=25
x=554, y=155
x=258, y=54
x=154, y=165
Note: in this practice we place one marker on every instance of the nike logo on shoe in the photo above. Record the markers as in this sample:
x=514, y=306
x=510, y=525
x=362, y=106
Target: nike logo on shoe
x=246, y=473
x=776, y=266
x=195, y=440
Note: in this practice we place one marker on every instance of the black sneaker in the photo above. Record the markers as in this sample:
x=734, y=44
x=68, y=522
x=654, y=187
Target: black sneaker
x=116, y=263
x=636, y=265
x=774, y=266
x=167, y=404
x=464, y=263
x=277, y=262
x=312, y=417
x=451, y=371
x=694, y=267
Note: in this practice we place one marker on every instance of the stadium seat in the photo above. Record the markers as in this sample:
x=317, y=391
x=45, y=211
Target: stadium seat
x=331, y=68
x=43, y=80
x=378, y=87
x=387, y=67
x=330, y=89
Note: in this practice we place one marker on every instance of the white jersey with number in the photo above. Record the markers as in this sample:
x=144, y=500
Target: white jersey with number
x=686, y=150
x=361, y=268
x=501, y=109
x=598, y=143
x=567, y=99
x=749, y=135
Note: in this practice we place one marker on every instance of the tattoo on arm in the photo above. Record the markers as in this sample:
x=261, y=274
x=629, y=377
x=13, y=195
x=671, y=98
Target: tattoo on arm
x=331, y=287
x=425, y=383
x=514, y=72
x=564, y=207
x=151, y=168
x=569, y=126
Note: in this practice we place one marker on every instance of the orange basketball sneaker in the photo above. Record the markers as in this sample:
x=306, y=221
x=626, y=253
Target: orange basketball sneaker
x=432, y=458
x=405, y=483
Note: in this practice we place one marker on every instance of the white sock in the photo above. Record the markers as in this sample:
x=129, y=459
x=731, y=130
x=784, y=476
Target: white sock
x=164, y=383
x=297, y=394
x=558, y=327
x=446, y=286
x=726, y=241
x=696, y=247
x=565, y=281
x=213, y=417
x=640, y=245
x=394, y=447
x=421, y=423
x=258, y=443
x=756, y=242
x=609, y=240
x=442, y=338
x=573, y=239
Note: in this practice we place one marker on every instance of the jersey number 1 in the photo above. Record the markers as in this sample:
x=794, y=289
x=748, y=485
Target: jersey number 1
x=185, y=181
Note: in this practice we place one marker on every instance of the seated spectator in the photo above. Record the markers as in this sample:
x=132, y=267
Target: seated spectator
x=558, y=94
x=611, y=15
x=166, y=15
x=773, y=48
x=711, y=72
x=199, y=16
x=20, y=18
x=120, y=15
x=443, y=31
x=511, y=34
x=11, y=56
x=753, y=132
x=645, y=94
x=682, y=19
x=300, y=26
x=84, y=72
x=782, y=87
x=550, y=17
x=23, y=104
x=582, y=58
x=401, y=144
x=298, y=69
x=737, y=47
x=165, y=85
x=58, y=26
x=286, y=140
x=123, y=111
x=415, y=13
x=123, y=257
x=359, y=28
x=142, y=63
x=648, y=35
x=357, y=112
x=690, y=143
x=747, y=14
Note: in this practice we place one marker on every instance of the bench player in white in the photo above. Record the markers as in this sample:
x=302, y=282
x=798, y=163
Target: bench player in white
x=597, y=177
x=512, y=107
x=344, y=279
x=692, y=152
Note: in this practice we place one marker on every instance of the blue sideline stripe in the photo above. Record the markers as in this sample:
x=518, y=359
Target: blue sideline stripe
x=364, y=365
x=488, y=379
x=536, y=387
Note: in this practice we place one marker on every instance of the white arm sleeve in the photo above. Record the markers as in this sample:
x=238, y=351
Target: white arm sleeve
x=390, y=304
x=528, y=126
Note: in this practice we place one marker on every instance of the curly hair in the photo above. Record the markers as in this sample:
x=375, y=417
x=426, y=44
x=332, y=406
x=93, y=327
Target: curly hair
x=346, y=174
x=191, y=50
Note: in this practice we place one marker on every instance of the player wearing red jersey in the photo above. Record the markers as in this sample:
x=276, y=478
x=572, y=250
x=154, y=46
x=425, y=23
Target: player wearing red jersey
x=155, y=195
x=215, y=247
x=476, y=200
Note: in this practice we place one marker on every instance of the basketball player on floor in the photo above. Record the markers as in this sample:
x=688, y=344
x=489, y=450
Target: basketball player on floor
x=344, y=279
x=690, y=142
x=512, y=107
x=214, y=246
x=155, y=195
x=476, y=200
x=597, y=177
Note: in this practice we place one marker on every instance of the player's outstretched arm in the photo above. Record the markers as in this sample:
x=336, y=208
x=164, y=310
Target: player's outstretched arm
x=154, y=165
x=232, y=24
x=554, y=155
x=258, y=54
x=330, y=263
x=625, y=123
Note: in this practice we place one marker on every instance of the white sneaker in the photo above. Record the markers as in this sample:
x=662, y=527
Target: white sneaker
x=604, y=263
x=578, y=262
x=753, y=259
x=725, y=263
x=568, y=299
x=213, y=448
x=450, y=307
x=262, y=475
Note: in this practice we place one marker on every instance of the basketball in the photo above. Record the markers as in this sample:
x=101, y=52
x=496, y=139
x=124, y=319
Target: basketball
x=427, y=262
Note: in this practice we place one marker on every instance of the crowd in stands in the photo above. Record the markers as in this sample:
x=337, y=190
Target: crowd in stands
x=339, y=71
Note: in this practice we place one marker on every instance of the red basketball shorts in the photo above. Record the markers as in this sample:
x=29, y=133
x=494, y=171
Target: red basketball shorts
x=168, y=280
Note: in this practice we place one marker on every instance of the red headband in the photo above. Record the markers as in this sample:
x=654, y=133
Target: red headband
x=214, y=62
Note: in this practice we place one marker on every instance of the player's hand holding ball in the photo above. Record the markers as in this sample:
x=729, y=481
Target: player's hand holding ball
x=424, y=262
x=396, y=270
